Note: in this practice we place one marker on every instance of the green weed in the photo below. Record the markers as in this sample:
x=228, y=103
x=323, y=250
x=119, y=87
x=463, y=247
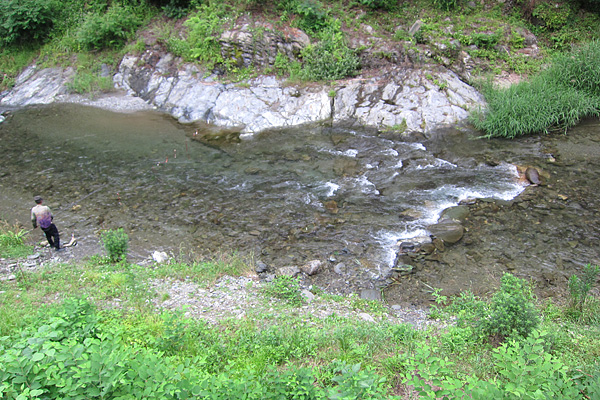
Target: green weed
x=115, y=243
x=285, y=288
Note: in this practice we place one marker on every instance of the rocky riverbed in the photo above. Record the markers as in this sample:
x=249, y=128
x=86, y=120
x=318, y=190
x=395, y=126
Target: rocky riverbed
x=545, y=235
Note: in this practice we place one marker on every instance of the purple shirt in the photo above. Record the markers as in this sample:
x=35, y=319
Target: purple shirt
x=41, y=215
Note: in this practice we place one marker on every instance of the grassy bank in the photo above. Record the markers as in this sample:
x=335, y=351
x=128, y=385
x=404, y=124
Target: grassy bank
x=91, y=330
x=553, y=100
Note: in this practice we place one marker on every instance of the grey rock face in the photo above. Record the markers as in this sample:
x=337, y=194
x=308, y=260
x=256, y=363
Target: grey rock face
x=405, y=100
x=259, y=43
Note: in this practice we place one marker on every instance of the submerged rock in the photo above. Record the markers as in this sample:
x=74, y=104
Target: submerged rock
x=456, y=213
x=447, y=230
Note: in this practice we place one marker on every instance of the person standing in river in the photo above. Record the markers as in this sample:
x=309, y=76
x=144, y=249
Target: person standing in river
x=42, y=216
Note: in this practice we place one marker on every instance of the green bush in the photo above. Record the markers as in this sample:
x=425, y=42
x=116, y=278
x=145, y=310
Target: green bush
x=115, y=243
x=313, y=17
x=176, y=8
x=330, y=58
x=511, y=311
x=385, y=5
x=204, y=29
x=109, y=30
x=486, y=40
x=523, y=371
x=552, y=15
x=25, y=20
x=446, y=5
x=75, y=353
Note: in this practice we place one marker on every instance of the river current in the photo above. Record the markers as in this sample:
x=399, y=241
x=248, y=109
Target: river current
x=283, y=197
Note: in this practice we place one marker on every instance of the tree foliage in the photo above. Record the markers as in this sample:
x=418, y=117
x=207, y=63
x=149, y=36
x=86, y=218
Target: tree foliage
x=25, y=20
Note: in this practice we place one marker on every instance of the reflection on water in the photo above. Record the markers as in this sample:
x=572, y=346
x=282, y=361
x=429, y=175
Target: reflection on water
x=287, y=196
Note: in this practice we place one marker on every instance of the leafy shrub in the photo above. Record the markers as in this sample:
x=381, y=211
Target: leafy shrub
x=25, y=20
x=115, y=243
x=176, y=8
x=109, y=30
x=509, y=313
x=511, y=310
x=446, y=5
x=527, y=371
x=524, y=371
x=386, y=5
x=552, y=15
x=330, y=58
x=356, y=383
x=313, y=16
x=204, y=29
x=72, y=353
x=486, y=40
x=284, y=66
x=285, y=288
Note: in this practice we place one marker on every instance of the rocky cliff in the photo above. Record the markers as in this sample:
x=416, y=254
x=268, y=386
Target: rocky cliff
x=401, y=97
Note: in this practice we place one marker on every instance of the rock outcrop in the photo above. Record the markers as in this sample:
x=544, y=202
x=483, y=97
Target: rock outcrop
x=402, y=99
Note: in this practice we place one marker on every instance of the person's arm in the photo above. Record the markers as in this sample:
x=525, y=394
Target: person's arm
x=33, y=219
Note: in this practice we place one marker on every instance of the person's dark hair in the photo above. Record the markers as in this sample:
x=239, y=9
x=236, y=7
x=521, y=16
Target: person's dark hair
x=38, y=199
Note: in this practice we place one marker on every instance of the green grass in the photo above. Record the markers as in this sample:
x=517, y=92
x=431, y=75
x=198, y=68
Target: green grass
x=12, y=61
x=344, y=356
x=12, y=241
x=554, y=100
x=204, y=272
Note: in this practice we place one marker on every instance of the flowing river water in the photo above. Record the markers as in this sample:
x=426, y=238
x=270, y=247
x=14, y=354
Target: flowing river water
x=345, y=197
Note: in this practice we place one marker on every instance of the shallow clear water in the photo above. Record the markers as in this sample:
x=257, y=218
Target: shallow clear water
x=285, y=196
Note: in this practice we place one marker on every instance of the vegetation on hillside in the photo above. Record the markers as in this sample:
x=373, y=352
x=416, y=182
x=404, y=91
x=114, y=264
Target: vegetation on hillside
x=493, y=33
x=90, y=330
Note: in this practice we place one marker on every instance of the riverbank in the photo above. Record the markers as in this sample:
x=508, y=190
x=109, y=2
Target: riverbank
x=237, y=329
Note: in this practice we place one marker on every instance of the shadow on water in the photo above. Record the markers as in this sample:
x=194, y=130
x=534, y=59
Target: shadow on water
x=345, y=197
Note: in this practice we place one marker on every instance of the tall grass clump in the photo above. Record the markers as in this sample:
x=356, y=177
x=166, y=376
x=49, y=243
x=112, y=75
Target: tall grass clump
x=115, y=242
x=583, y=307
x=579, y=69
x=12, y=241
x=555, y=100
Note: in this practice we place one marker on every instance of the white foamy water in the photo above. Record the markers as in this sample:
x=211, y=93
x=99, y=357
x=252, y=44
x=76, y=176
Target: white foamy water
x=487, y=182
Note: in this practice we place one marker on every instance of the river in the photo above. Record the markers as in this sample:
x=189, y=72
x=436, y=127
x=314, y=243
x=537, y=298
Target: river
x=346, y=197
